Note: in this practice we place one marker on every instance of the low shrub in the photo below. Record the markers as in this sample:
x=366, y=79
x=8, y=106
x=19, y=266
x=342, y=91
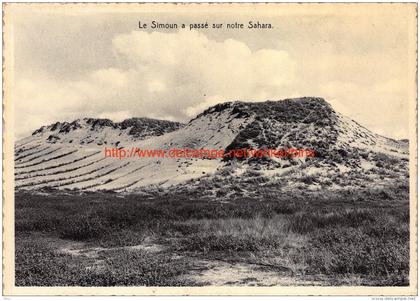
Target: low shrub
x=352, y=251
x=37, y=265
x=83, y=227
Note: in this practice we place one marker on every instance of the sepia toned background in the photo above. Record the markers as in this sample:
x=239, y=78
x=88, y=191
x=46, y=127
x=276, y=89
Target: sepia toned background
x=361, y=58
x=73, y=63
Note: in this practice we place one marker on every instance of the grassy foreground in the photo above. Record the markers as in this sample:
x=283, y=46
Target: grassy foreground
x=105, y=239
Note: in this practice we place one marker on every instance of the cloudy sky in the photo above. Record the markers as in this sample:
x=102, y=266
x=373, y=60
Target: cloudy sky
x=74, y=62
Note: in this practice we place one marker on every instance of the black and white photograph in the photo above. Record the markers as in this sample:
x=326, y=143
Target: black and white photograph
x=210, y=148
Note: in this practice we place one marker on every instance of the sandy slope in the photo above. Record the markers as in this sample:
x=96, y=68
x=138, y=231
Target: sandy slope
x=72, y=155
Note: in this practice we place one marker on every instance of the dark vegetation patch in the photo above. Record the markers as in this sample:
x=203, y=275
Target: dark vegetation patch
x=360, y=234
x=40, y=265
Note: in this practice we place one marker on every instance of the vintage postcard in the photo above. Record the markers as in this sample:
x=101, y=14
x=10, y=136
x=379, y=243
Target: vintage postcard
x=210, y=149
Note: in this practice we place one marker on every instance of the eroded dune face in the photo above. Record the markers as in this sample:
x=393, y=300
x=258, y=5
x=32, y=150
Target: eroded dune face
x=73, y=155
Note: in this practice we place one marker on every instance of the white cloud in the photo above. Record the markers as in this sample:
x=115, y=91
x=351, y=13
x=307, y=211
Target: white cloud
x=175, y=75
x=358, y=61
